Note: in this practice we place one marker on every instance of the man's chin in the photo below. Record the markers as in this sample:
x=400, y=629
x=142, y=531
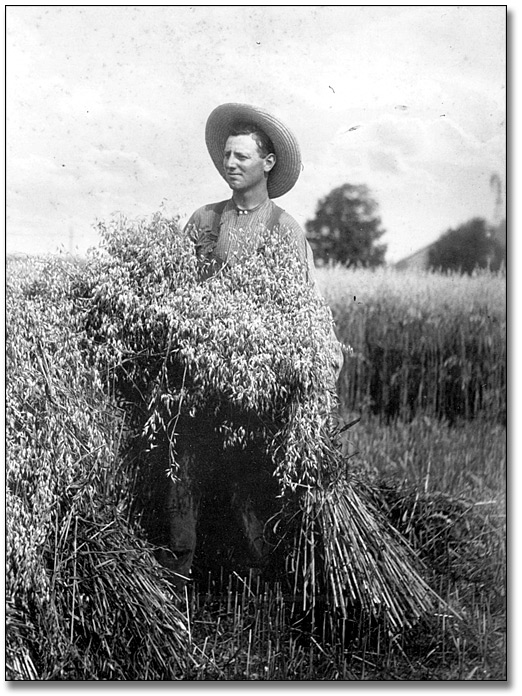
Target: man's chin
x=234, y=185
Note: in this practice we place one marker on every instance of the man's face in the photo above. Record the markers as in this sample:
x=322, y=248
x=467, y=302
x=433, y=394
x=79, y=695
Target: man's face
x=245, y=169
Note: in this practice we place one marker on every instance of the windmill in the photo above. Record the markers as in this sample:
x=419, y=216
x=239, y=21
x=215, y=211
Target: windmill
x=496, y=186
x=498, y=228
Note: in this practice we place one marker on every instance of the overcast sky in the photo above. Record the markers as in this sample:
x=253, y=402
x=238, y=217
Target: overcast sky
x=106, y=111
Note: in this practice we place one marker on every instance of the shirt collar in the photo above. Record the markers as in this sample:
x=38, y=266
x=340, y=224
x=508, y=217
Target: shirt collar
x=239, y=211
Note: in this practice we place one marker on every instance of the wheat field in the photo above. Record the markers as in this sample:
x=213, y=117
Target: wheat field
x=421, y=342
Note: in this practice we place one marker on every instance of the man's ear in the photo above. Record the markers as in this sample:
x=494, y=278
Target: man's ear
x=270, y=161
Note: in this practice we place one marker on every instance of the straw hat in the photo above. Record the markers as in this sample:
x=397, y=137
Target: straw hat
x=288, y=166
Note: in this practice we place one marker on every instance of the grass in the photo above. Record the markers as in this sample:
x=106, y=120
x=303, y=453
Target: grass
x=467, y=458
x=454, y=514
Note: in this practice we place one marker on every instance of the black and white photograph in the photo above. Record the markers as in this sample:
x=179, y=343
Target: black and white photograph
x=256, y=363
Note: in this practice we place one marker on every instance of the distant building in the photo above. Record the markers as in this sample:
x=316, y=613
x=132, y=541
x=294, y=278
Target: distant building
x=496, y=230
x=418, y=261
x=499, y=233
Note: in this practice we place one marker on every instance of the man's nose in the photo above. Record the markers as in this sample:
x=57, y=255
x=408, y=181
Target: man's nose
x=230, y=162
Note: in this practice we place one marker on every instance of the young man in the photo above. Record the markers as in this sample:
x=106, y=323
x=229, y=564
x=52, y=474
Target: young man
x=260, y=160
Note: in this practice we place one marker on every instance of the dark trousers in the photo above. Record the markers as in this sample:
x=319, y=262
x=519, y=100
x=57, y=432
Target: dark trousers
x=218, y=507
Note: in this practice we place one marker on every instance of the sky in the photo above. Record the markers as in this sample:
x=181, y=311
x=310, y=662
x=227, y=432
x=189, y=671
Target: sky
x=106, y=109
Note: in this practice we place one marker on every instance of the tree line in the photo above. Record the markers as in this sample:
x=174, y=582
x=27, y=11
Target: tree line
x=347, y=229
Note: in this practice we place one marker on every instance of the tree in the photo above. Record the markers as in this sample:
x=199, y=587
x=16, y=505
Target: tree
x=346, y=228
x=472, y=245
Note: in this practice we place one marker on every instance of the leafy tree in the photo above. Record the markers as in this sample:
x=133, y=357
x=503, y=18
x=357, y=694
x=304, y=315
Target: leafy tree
x=472, y=245
x=346, y=228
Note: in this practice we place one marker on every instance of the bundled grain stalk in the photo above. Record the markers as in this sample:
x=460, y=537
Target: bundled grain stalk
x=248, y=352
x=85, y=598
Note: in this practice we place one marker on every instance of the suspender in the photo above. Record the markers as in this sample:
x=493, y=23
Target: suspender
x=217, y=212
x=275, y=217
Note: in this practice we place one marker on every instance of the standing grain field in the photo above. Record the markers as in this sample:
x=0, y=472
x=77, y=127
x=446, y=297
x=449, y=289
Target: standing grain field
x=422, y=342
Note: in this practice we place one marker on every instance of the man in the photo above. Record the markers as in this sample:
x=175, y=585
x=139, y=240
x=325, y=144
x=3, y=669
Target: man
x=260, y=160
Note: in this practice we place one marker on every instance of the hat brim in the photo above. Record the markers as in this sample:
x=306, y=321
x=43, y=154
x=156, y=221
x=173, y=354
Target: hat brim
x=288, y=155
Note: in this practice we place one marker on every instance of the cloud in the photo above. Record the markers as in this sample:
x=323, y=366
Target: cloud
x=121, y=167
x=48, y=198
x=399, y=143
